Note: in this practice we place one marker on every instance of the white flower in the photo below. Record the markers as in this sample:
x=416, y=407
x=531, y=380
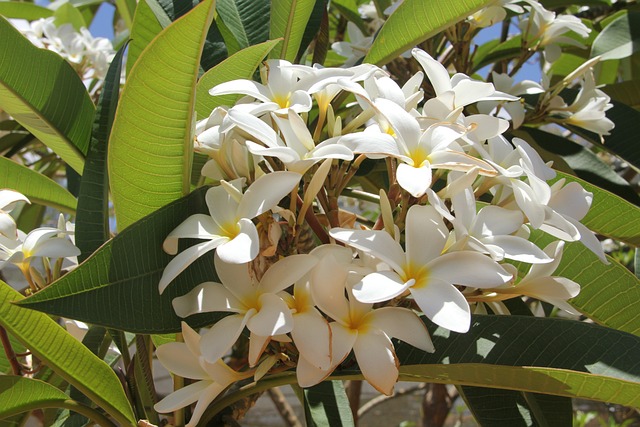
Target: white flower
x=360, y=328
x=514, y=109
x=354, y=49
x=422, y=269
x=8, y=200
x=228, y=227
x=184, y=359
x=257, y=305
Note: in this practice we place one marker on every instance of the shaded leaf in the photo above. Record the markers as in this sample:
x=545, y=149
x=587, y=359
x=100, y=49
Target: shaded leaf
x=37, y=187
x=413, y=22
x=627, y=92
x=313, y=26
x=52, y=344
x=44, y=94
x=68, y=14
x=151, y=139
x=327, y=404
x=92, y=219
x=248, y=20
x=240, y=65
x=494, y=51
x=117, y=286
x=21, y=10
x=349, y=9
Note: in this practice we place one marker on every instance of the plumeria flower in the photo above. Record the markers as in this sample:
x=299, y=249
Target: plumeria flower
x=419, y=151
x=185, y=360
x=228, y=227
x=453, y=92
x=490, y=230
x=359, y=327
x=540, y=284
x=495, y=12
x=422, y=269
x=8, y=200
x=285, y=86
x=547, y=29
x=256, y=305
x=356, y=48
x=514, y=109
x=41, y=242
x=298, y=151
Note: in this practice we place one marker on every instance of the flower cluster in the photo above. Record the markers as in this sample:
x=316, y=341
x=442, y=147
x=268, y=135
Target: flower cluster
x=313, y=283
x=90, y=56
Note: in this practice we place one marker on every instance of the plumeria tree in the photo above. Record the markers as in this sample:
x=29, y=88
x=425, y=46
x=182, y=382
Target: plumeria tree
x=316, y=194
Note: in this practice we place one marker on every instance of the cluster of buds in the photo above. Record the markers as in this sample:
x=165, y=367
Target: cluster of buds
x=313, y=283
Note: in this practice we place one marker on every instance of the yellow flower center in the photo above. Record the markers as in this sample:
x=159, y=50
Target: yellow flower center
x=284, y=101
x=419, y=273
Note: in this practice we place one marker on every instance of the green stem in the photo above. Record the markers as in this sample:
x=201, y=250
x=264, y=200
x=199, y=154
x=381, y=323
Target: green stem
x=96, y=417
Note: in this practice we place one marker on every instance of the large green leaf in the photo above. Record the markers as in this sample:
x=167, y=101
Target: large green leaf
x=349, y=9
x=117, y=286
x=610, y=215
x=248, y=20
x=151, y=140
x=414, y=21
x=241, y=65
x=53, y=345
x=21, y=10
x=37, y=187
x=289, y=20
x=66, y=13
x=313, y=26
x=327, y=404
x=619, y=39
x=525, y=353
x=494, y=51
x=20, y=394
x=92, y=219
x=44, y=94
x=627, y=92
x=144, y=29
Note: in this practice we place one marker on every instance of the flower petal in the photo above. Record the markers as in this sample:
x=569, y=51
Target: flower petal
x=182, y=397
x=468, y=268
x=242, y=248
x=218, y=340
x=327, y=287
x=403, y=324
x=375, y=242
x=380, y=286
x=285, y=272
x=184, y=259
x=266, y=192
x=312, y=336
x=206, y=397
x=273, y=318
x=444, y=305
x=207, y=297
x=176, y=357
x=416, y=180
x=257, y=344
x=377, y=361
x=198, y=226
x=426, y=234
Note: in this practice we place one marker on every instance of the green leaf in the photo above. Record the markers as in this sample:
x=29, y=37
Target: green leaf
x=92, y=219
x=619, y=39
x=610, y=215
x=313, y=26
x=587, y=165
x=240, y=65
x=44, y=94
x=37, y=187
x=66, y=13
x=20, y=394
x=144, y=29
x=414, y=21
x=349, y=9
x=126, y=9
x=117, y=286
x=327, y=404
x=20, y=10
x=52, y=344
x=248, y=20
x=540, y=355
x=289, y=19
x=494, y=51
x=5, y=366
x=627, y=92
x=151, y=140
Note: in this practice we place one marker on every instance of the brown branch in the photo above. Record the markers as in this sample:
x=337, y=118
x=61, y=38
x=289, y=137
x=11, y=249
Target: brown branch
x=284, y=409
x=16, y=367
x=383, y=398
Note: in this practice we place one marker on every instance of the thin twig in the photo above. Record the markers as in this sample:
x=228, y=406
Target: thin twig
x=16, y=367
x=383, y=398
x=284, y=409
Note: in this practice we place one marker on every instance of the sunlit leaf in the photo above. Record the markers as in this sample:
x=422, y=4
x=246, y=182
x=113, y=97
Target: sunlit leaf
x=151, y=140
x=37, y=187
x=414, y=21
x=20, y=394
x=44, y=94
x=22, y=10
x=53, y=345
x=619, y=39
x=289, y=20
x=144, y=28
